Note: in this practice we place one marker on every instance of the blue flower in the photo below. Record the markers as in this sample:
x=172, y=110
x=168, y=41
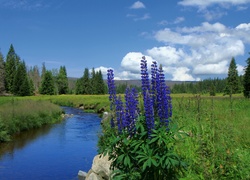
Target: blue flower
x=112, y=92
x=111, y=86
x=120, y=116
x=147, y=100
x=131, y=110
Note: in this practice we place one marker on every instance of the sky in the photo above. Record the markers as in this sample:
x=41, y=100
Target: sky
x=192, y=39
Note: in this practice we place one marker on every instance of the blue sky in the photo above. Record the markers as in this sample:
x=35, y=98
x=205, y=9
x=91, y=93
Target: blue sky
x=192, y=39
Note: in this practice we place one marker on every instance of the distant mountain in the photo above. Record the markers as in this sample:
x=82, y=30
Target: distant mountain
x=135, y=82
x=138, y=82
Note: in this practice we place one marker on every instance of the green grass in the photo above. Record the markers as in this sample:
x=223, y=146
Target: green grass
x=19, y=115
x=217, y=144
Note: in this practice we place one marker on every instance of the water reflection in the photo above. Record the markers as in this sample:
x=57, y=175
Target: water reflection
x=20, y=140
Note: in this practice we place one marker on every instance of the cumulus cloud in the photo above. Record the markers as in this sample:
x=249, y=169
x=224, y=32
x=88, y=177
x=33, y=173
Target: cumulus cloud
x=189, y=53
x=182, y=74
x=138, y=5
x=217, y=68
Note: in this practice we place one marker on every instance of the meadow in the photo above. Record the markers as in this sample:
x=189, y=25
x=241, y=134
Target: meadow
x=216, y=130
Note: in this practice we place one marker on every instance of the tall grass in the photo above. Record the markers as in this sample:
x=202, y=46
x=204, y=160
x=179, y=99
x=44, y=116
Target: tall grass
x=218, y=130
x=20, y=115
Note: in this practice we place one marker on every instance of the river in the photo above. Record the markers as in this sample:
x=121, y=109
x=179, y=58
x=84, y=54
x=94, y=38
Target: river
x=52, y=152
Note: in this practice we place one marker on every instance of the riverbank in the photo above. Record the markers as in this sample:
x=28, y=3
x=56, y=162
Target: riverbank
x=21, y=115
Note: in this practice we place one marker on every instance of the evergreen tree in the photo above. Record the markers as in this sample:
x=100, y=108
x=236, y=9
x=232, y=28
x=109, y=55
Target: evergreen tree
x=62, y=81
x=93, y=82
x=246, y=81
x=100, y=85
x=34, y=75
x=11, y=64
x=2, y=74
x=232, y=86
x=47, y=85
x=86, y=82
x=212, y=91
x=43, y=70
x=79, y=86
x=21, y=86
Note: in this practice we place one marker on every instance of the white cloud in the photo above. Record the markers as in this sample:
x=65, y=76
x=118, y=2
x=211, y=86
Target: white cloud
x=131, y=62
x=182, y=74
x=179, y=20
x=144, y=17
x=240, y=69
x=166, y=55
x=205, y=3
x=219, y=68
x=104, y=70
x=244, y=26
x=24, y=4
x=217, y=12
x=138, y=5
x=189, y=53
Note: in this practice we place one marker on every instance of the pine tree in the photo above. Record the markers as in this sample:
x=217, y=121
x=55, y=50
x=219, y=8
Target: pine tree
x=2, y=74
x=86, y=82
x=47, y=85
x=43, y=70
x=62, y=81
x=11, y=64
x=100, y=85
x=79, y=86
x=232, y=86
x=246, y=81
x=21, y=86
x=34, y=76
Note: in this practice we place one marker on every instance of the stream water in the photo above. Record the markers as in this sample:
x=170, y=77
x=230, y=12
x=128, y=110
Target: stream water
x=52, y=152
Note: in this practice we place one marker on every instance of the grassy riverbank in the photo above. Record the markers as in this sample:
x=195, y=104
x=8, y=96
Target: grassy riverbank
x=20, y=115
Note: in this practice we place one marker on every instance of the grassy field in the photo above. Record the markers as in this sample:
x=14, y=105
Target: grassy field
x=217, y=144
x=217, y=141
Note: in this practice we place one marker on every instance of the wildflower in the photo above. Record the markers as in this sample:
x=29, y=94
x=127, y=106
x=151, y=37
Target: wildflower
x=163, y=99
x=120, y=114
x=148, y=103
x=131, y=110
x=111, y=86
x=112, y=92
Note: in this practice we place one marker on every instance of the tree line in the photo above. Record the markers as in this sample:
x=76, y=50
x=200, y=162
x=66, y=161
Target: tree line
x=232, y=84
x=17, y=79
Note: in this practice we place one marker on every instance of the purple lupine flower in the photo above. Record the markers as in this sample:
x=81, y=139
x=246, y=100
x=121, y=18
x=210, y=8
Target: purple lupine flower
x=112, y=93
x=149, y=113
x=164, y=100
x=111, y=86
x=131, y=110
x=154, y=79
x=120, y=116
x=148, y=104
x=144, y=77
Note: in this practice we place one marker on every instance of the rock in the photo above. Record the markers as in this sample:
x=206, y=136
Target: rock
x=100, y=168
x=82, y=175
x=93, y=176
x=105, y=117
